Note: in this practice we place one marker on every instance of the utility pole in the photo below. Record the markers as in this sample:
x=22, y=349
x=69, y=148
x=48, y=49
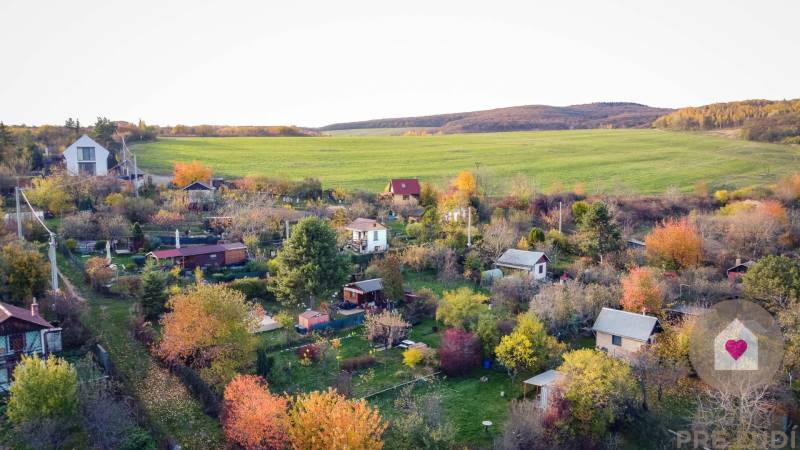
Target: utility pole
x=19, y=215
x=469, y=226
x=135, y=176
x=559, y=217
x=51, y=253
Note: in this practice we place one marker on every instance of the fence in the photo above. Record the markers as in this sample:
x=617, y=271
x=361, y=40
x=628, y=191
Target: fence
x=69, y=255
x=167, y=239
x=338, y=324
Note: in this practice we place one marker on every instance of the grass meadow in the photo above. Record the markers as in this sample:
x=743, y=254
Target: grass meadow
x=614, y=161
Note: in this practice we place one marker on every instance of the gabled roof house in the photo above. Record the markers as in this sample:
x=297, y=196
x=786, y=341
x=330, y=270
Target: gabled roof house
x=622, y=333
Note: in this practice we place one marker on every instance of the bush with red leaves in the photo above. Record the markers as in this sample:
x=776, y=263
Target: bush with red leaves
x=459, y=353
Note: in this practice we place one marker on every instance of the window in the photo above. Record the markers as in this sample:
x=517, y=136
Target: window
x=87, y=168
x=616, y=340
x=541, y=268
x=85, y=153
x=374, y=235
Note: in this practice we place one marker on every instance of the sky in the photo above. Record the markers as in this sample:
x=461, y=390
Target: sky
x=312, y=63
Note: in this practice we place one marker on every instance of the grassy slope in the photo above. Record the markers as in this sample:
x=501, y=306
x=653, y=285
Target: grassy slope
x=167, y=402
x=646, y=161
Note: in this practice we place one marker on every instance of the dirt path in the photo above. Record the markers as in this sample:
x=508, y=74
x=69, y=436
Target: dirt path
x=70, y=288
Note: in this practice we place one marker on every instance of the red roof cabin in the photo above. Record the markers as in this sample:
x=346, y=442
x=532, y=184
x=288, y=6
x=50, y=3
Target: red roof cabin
x=202, y=255
x=738, y=271
x=403, y=189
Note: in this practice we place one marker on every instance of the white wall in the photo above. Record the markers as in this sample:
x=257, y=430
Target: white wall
x=100, y=155
x=540, y=271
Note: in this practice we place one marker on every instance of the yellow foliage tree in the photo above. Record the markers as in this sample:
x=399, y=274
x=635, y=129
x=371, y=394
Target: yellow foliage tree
x=329, y=420
x=185, y=174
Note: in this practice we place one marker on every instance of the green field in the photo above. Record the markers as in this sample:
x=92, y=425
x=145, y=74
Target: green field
x=645, y=161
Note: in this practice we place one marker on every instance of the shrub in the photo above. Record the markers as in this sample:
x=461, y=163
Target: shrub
x=66, y=311
x=71, y=244
x=100, y=245
x=412, y=357
x=308, y=352
x=459, y=353
x=251, y=287
x=357, y=363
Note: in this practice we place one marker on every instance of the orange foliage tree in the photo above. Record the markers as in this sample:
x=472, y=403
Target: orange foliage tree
x=328, y=420
x=252, y=417
x=185, y=174
x=642, y=291
x=675, y=244
x=209, y=327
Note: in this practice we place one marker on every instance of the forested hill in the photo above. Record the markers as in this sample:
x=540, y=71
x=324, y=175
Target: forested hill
x=760, y=120
x=521, y=118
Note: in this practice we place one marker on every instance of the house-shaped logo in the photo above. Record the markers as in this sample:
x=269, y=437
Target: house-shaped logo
x=736, y=348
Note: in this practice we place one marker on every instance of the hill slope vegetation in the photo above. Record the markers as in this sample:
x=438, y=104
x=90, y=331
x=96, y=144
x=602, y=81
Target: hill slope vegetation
x=524, y=118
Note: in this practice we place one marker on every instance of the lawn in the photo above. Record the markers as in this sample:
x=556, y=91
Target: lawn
x=645, y=161
x=467, y=401
x=166, y=401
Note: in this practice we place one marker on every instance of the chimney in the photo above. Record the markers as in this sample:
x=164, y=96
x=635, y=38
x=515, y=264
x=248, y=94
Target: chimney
x=738, y=261
x=34, y=307
x=177, y=239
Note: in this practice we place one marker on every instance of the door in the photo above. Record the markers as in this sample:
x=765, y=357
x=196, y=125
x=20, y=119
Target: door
x=17, y=343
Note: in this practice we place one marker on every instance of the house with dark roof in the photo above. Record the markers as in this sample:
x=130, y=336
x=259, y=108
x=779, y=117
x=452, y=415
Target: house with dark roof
x=739, y=269
x=23, y=332
x=402, y=190
x=622, y=333
x=199, y=194
x=515, y=261
x=366, y=291
x=368, y=236
x=216, y=255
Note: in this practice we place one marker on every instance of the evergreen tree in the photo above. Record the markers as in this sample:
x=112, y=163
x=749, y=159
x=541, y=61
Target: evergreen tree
x=138, y=236
x=598, y=234
x=154, y=291
x=310, y=265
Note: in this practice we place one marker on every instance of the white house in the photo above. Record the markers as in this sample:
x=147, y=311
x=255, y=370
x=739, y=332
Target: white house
x=86, y=157
x=523, y=261
x=369, y=236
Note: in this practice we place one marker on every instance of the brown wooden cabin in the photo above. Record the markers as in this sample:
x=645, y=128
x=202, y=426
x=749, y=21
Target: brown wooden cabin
x=23, y=332
x=203, y=255
x=366, y=291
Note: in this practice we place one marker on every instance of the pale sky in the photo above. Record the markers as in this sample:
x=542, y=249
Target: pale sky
x=312, y=63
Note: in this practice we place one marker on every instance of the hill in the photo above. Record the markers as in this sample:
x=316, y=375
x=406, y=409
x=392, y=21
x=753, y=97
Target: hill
x=759, y=120
x=646, y=161
x=523, y=118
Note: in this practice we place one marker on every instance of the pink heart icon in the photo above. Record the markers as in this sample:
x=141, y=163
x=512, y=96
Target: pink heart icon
x=736, y=347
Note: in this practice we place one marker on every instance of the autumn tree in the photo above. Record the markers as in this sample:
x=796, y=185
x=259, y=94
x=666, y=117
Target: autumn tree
x=388, y=269
x=459, y=353
x=252, y=417
x=528, y=347
x=675, y=244
x=226, y=344
x=309, y=265
x=598, y=235
x=466, y=184
x=461, y=308
x=42, y=389
x=327, y=419
x=642, y=291
x=598, y=389
x=387, y=327
x=24, y=273
x=515, y=353
x=185, y=174
x=49, y=194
